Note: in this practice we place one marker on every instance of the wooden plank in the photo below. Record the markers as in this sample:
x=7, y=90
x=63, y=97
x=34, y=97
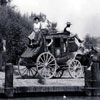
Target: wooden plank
x=49, y=82
x=48, y=89
x=51, y=85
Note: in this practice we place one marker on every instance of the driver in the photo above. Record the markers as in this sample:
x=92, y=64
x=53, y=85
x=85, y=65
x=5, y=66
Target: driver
x=68, y=32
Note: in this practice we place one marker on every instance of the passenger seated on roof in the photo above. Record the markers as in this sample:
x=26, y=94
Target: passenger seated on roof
x=33, y=37
x=68, y=32
x=45, y=24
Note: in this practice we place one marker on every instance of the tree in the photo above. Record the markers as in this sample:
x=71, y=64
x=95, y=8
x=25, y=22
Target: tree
x=14, y=28
x=4, y=2
x=90, y=42
x=52, y=28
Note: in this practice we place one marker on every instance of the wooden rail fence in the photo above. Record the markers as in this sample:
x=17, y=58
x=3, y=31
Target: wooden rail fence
x=92, y=80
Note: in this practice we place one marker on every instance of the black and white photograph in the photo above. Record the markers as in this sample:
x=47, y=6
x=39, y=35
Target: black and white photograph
x=49, y=49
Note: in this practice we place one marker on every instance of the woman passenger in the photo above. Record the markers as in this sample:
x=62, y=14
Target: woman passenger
x=36, y=30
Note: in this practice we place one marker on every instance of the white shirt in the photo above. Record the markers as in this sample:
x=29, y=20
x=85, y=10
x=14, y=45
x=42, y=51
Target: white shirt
x=68, y=29
x=37, y=26
x=44, y=25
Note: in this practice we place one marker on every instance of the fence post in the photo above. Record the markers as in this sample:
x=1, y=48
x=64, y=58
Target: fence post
x=88, y=82
x=95, y=69
x=8, y=80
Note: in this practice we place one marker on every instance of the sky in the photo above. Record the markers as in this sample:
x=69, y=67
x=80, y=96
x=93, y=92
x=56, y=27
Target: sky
x=83, y=14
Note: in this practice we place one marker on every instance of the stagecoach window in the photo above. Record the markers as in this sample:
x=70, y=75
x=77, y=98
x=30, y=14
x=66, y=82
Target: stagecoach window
x=57, y=42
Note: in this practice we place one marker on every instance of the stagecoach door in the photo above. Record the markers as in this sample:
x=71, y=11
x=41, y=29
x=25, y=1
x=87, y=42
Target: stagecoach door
x=57, y=47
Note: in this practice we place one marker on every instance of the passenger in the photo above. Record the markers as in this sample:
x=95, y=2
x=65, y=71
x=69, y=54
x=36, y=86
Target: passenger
x=45, y=24
x=68, y=32
x=36, y=29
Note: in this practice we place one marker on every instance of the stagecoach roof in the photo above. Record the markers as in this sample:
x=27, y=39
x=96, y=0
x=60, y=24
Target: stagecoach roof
x=63, y=34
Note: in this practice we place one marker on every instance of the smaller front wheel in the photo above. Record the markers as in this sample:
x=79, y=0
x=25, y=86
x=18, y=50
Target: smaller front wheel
x=75, y=68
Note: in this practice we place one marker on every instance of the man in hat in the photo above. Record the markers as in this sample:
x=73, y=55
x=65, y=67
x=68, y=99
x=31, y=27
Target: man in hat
x=68, y=32
x=67, y=28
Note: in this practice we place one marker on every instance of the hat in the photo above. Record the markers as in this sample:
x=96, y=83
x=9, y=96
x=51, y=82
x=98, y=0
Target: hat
x=68, y=23
x=36, y=18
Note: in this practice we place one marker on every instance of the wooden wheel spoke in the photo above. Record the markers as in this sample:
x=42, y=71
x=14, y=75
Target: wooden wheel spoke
x=43, y=72
x=40, y=64
x=49, y=72
x=42, y=69
x=23, y=68
x=46, y=57
x=33, y=69
x=24, y=72
x=27, y=73
x=78, y=66
x=51, y=68
x=49, y=58
x=42, y=60
x=51, y=64
x=51, y=61
x=71, y=68
x=31, y=72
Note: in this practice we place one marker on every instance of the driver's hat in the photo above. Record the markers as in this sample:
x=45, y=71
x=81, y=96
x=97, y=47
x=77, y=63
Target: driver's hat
x=68, y=23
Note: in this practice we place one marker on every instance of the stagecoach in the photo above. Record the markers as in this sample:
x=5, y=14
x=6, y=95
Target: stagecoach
x=53, y=60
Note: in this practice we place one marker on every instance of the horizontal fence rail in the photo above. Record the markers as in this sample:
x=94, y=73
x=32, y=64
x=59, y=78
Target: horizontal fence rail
x=92, y=83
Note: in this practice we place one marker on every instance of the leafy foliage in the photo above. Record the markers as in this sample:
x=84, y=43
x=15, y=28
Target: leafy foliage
x=15, y=29
x=90, y=42
x=4, y=2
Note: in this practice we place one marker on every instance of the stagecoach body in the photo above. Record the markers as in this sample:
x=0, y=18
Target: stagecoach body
x=51, y=61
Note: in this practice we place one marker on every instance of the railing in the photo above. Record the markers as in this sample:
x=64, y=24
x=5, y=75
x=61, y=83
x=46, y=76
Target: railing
x=8, y=87
x=92, y=79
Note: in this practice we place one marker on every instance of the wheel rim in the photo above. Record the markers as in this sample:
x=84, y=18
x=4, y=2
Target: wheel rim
x=25, y=70
x=46, y=65
x=75, y=69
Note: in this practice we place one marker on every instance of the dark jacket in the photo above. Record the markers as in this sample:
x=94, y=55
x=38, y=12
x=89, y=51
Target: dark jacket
x=66, y=31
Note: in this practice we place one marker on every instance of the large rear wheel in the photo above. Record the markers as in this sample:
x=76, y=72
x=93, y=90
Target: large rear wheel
x=26, y=68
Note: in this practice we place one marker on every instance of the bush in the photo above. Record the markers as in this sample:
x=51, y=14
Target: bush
x=90, y=42
x=15, y=29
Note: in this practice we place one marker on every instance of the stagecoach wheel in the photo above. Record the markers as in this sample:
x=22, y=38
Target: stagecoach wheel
x=75, y=68
x=26, y=70
x=46, y=65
